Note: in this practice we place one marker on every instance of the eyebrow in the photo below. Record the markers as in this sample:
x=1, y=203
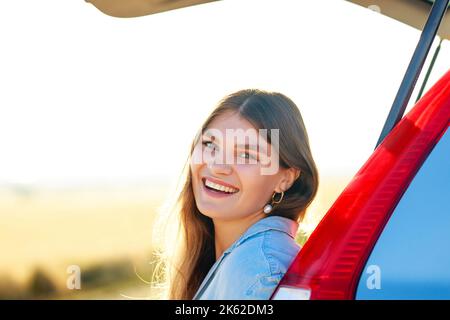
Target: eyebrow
x=242, y=146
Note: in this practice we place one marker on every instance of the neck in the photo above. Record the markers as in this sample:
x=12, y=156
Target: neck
x=226, y=232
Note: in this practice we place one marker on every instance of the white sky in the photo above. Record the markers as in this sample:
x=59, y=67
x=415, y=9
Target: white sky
x=87, y=97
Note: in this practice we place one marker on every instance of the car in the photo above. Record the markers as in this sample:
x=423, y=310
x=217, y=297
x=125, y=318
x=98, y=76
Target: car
x=386, y=236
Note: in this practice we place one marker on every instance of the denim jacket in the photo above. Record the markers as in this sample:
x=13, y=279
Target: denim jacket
x=253, y=265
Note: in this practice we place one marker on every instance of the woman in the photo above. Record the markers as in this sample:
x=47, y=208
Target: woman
x=238, y=217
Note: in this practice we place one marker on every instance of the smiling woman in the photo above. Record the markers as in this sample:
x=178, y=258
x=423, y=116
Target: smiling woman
x=238, y=221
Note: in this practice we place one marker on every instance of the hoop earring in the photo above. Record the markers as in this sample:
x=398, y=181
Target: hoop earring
x=269, y=207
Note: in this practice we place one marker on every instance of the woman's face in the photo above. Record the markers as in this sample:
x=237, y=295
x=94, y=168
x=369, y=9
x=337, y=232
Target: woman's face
x=248, y=189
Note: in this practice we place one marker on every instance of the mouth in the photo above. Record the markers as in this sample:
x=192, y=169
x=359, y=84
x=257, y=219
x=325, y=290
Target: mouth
x=215, y=188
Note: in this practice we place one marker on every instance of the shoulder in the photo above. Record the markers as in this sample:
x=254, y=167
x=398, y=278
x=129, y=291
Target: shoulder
x=279, y=249
x=253, y=269
x=270, y=252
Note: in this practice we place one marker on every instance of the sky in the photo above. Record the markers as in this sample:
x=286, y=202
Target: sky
x=89, y=98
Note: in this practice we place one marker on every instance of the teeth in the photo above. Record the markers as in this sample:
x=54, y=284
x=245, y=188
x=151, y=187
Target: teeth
x=220, y=187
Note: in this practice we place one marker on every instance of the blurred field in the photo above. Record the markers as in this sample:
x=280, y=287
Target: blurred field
x=107, y=231
x=52, y=229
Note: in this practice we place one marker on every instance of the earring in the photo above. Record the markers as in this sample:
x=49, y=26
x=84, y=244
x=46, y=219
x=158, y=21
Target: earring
x=269, y=207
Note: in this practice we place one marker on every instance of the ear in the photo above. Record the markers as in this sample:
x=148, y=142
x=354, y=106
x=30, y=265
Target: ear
x=288, y=178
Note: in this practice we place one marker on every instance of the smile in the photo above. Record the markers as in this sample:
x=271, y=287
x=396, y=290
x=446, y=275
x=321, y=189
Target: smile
x=217, y=187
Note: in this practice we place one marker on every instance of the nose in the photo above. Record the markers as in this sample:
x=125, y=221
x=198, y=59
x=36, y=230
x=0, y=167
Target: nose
x=218, y=168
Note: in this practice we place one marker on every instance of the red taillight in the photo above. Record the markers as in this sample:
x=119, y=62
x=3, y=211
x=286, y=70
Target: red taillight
x=331, y=261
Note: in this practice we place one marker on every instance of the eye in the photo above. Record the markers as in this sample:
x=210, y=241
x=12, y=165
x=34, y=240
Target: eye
x=244, y=155
x=247, y=155
x=209, y=144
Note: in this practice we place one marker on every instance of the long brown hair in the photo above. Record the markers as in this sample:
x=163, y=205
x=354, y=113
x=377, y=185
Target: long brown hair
x=194, y=253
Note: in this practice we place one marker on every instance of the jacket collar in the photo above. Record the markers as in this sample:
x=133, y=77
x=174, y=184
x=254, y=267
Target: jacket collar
x=279, y=223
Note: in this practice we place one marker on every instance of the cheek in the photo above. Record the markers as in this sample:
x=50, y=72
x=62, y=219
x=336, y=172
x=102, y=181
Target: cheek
x=257, y=188
x=194, y=167
x=195, y=161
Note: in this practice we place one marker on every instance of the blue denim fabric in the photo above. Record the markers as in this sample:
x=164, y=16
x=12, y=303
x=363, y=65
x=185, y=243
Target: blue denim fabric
x=253, y=265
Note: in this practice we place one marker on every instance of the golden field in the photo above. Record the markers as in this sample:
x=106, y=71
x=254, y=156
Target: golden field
x=105, y=230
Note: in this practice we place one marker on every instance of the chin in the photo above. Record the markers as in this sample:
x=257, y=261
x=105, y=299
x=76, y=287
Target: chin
x=217, y=214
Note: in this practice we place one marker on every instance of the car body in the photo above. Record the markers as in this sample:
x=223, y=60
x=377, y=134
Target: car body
x=386, y=236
